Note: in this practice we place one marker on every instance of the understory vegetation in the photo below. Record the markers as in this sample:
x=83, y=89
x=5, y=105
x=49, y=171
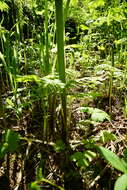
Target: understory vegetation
x=63, y=95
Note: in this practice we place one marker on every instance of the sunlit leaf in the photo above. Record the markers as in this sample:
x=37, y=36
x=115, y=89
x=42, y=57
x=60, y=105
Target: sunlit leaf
x=113, y=159
x=96, y=114
x=9, y=103
x=3, y=6
x=96, y=3
x=28, y=78
x=121, y=183
x=99, y=115
x=40, y=12
x=102, y=48
x=84, y=27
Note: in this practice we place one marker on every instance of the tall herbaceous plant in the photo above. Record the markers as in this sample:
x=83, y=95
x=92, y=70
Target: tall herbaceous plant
x=60, y=57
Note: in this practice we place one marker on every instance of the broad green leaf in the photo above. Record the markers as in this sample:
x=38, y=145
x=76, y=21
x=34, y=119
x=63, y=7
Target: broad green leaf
x=12, y=139
x=113, y=159
x=96, y=114
x=10, y=142
x=99, y=115
x=121, y=183
x=28, y=78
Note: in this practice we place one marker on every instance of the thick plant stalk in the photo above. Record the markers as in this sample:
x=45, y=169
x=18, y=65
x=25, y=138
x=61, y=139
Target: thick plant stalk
x=46, y=39
x=61, y=58
x=60, y=38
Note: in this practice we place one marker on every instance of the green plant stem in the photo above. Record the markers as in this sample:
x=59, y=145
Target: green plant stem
x=46, y=39
x=60, y=38
x=111, y=78
x=61, y=58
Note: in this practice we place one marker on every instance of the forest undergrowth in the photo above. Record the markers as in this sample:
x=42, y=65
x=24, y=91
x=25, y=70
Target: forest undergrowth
x=63, y=101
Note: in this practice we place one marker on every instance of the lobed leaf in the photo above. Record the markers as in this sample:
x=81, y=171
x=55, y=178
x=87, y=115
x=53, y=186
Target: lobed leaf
x=96, y=114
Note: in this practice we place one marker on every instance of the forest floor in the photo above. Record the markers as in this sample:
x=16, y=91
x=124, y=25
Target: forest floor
x=21, y=167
